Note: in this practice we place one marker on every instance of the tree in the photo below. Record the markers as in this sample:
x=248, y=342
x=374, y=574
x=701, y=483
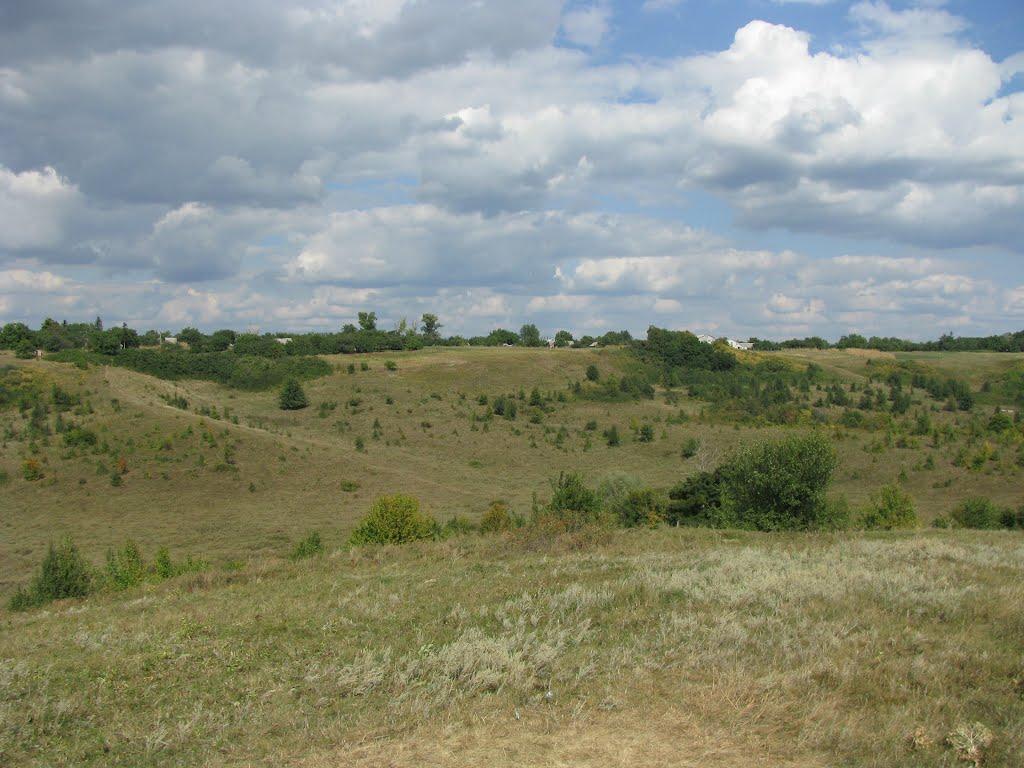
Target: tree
x=191, y=336
x=563, y=339
x=98, y=323
x=25, y=349
x=14, y=333
x=368, y=321
x=292, y=398
x=221, y=340
x=431, y=326
x=529, y=335
x=780, y=485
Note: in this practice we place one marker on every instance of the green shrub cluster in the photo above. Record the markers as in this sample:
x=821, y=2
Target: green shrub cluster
x=981, y=513
x=65, y=573
x=770, y=486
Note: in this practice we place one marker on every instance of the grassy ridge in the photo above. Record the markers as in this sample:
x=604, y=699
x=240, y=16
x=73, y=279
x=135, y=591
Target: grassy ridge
x=745, y=649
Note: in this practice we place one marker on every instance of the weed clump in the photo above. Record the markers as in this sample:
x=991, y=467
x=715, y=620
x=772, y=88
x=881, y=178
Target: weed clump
x=308, y=547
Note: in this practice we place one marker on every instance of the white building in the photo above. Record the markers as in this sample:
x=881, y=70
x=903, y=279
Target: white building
x=169, y=340
x=283, y=340
x=705, y=338
x=739, y=344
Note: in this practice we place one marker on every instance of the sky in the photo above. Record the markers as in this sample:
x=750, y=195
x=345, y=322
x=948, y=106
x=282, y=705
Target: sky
x=744, y=167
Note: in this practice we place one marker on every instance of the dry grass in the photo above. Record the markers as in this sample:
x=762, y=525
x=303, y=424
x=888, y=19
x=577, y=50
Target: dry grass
x=667, y=647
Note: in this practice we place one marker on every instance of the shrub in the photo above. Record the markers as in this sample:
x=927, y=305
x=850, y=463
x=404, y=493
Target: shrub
x=611, y=436
x=391, y=365
x=892, y=510
x=780, y=485
x=162, y=564
x=640, y=507
x=79, y=437
x=292, y=398
x=25, y=350
x=1011, y=519
x=646, y=434
x=64, y=573
x=573, y=504
x=496, y=519
x=309, y=546
x=125, y=567
x=690, y=447
x=592, y=373
x=699, y=501
x=977, y=512
x=394, y=519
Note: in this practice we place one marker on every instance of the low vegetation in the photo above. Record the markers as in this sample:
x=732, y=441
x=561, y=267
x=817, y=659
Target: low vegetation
x=524, y=547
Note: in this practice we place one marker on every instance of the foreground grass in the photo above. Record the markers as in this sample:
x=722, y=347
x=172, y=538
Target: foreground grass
x=657, y=647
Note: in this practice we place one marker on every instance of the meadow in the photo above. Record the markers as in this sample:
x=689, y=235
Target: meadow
x=671, y=646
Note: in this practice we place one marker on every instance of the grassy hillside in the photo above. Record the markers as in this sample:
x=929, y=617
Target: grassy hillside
x=231, y=476
x=658, y=647
x=668, y=647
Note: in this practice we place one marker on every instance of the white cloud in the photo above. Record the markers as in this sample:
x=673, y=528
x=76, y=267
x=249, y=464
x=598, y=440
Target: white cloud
x=587, y=26
x=34, y=208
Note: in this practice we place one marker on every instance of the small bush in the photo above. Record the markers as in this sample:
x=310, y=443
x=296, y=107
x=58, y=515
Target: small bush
x=574, y=504
x=394, y=519
x=892, y=510
x=496, y=519
x=125, y=567
x=977, y=512
x=690, y=447
x=592, y=373
x=391, y=365
x=63, y=573
x=611, y=436
x=699, y=501
x=308, y=547
x=646, y=434
x=349, y=486
x=292, y=397
x=641, y=507
x=1011, y=519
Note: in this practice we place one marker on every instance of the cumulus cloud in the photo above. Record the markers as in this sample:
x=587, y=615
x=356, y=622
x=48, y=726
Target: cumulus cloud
x=230, y=159
x=34, y=208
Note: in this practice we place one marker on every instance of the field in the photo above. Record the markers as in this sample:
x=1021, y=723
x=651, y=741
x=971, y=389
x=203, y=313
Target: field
x=671, y=646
